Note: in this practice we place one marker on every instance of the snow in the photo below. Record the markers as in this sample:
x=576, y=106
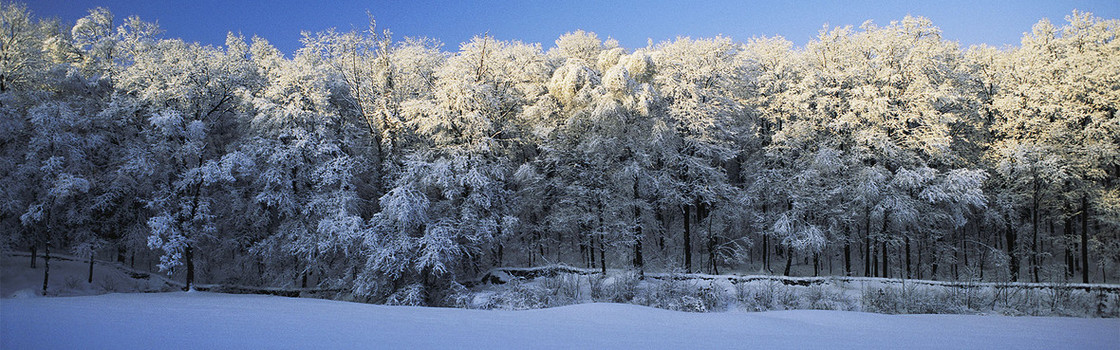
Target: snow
x=69, y=275
x=201, y=320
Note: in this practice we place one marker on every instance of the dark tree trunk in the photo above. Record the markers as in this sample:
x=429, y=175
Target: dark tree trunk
x=847, y=259
x=1085, y=239
x=1014, y=265
x=687, y=239
x=886, y=273
x=789, y=261
x=921, y=247
x=933, y=268
x=188, y=255
x=602, y=257
x=867, y=244
x=883, y=245
x=766, y=247
x=46, y=265
x=90, y=279
x=303, y=280
x=1052, y=234
x=908, y=273
x=816, y=264
x=1034, y=231
x=661, y=219
x=829, y=263
x=964, y=245
x=639, y=264
x=766, y=253
x=1068, y=232
x=591, y=251
x=501, y=252
x=34, y=251
x=874, y=263
x=582, y=253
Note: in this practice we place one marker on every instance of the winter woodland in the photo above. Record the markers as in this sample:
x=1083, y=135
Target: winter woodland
x=380, y=165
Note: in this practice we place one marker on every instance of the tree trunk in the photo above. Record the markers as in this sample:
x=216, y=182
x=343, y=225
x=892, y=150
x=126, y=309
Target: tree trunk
x=638, y=263
x=766, y=247
x=188, y=255
x=34, y=251
x=867, y=244
x=847, y=259
x=46, y=265
x=816, y=264
x=1034, y=231
x=687, y=240
x=886, y=273
x=766, y=253
x=921, y=247
x=501, y=252
x=1068, y=232
x=602, y=257
x=789, y=261
x=908, y=273
x=582, y=253
x=1014, y=265
x=886, y=214
x=874, y=263
x=1085, y=239
x=713, y=269
x=964, y=245
x=90, y=279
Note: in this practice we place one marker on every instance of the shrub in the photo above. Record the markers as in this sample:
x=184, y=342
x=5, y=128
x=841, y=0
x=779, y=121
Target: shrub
x=675, y=293
x=824, y=297
x=411, y=295
x=620, y=288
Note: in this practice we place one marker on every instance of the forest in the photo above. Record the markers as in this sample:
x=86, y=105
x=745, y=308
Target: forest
x=380, y=165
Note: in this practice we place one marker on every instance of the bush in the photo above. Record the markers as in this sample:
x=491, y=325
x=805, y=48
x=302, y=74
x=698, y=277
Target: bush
x=411, y=295
x=765, y=295
x=620, y=288
x=109, y=284
x=458, y=296
x=824, y=297
x=678, y=294
x=521, y=296
x=563, y=286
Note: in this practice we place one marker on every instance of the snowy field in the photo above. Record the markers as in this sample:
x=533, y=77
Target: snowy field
x=194, y=320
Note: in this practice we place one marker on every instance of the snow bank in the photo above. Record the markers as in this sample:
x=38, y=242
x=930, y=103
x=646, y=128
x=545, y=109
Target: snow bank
x=219, y=321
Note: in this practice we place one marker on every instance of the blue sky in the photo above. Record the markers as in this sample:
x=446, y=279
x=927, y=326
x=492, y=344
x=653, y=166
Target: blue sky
x=998, y=23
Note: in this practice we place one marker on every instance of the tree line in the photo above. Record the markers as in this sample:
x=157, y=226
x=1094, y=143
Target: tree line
x=379, y=165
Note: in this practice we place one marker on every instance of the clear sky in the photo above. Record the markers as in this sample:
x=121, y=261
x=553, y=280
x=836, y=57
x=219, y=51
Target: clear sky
x=997, y=22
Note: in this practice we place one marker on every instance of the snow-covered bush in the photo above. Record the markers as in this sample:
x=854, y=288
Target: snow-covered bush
x=524, y=296
x=458, y=296
x=765, y=295
x=826, y=297
x=624, y=287
x=564, y=286
x=411, y=295
x=680, y=294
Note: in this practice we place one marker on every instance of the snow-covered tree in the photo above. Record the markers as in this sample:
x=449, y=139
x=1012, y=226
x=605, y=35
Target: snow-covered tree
x=194, y=97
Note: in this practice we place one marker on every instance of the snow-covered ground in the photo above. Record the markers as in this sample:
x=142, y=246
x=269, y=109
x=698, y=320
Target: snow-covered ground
x=198, y=320
x=69, y=275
